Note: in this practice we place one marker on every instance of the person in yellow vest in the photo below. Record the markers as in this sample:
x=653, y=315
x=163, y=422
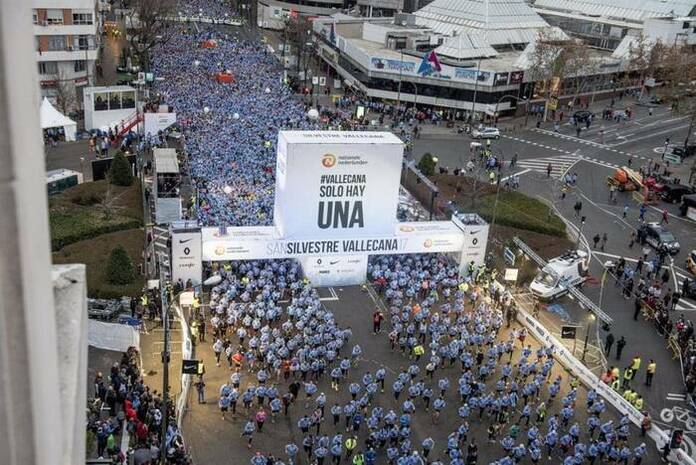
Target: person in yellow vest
x=359, y=459
x=635, y=365
x=627, y=394
x=143, y=300
x=650, y=372
x=491, y=177
x=418, y=351
x=627, y=377
x=196, y=304
x=228, y=267
x=194, y=332
x=351, y=443
x=574, y=382
x=638, y=402
x=616, y=384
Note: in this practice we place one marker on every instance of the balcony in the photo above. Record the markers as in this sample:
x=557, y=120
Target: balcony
x=62, y=30
x=69, y=54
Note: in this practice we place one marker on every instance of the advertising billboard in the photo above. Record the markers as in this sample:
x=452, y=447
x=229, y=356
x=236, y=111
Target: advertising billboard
x=187, y=262
x=263, y=243
x=337, y=184
x=335, y=271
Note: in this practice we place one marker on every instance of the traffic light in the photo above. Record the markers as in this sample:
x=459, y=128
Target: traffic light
x=676, y=439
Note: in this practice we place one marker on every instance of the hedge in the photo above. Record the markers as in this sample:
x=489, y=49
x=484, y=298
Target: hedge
x=76, y=225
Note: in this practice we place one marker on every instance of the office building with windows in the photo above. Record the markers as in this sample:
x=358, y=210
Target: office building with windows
x=66, y=47
x=605, y=23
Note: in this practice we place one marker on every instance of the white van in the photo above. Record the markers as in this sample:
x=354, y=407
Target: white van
x=559, y=274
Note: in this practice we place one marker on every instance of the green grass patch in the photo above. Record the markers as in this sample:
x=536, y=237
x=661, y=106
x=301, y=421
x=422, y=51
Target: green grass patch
x=94, y=253
x=80, y=213
x=514, y=209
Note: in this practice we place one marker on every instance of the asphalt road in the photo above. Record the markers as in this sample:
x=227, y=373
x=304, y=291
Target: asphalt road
x=594, y=156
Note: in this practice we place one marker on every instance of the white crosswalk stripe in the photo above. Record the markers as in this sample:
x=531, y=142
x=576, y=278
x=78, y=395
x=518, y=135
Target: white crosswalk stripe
x=559, y=165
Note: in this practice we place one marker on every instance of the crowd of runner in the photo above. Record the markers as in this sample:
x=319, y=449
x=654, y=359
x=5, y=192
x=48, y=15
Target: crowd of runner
x=462, y=359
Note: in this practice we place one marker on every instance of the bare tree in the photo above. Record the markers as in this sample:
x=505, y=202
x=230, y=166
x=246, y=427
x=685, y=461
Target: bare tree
x=109, y=204
x=547, y=65
x=149, y=27
x=645, y=57
x=66, y=98
x=298, y=31
x=577, y=64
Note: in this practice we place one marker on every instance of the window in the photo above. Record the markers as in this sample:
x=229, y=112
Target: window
x=81, y=42
x=48, y=67
x=80, y=66
x=54, y=16
x=82, y=18
x=34, y=17
x=56, y=43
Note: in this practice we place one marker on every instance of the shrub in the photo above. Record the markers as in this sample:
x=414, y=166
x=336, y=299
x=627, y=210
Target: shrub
x=119, y=268
x=426, y=165
x=120, y=172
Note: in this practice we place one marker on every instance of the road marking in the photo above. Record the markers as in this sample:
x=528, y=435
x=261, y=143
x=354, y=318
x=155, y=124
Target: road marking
x=647, y=136
x=673, y=396
x=516, y=174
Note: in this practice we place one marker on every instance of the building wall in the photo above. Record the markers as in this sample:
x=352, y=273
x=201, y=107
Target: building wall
x=66, y=46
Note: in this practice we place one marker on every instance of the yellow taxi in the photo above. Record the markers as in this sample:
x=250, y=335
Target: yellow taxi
x=691, y=262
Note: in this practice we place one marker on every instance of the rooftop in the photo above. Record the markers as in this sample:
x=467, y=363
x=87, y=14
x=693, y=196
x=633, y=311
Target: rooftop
x=629, y=10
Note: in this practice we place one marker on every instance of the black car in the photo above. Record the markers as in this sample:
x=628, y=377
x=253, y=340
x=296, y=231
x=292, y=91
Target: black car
x=688, y=289
x=582, y=116
x=659, y=238
x=673, y=193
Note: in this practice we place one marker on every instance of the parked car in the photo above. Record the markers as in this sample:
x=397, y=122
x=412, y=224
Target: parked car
x=673, y=193
x=486, y=133
x=691, y=262
x=659, y=237
x=582, y=116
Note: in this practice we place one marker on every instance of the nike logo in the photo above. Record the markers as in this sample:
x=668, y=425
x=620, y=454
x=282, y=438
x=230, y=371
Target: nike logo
x=184, y=241
x=474, y=232
x=333, y=263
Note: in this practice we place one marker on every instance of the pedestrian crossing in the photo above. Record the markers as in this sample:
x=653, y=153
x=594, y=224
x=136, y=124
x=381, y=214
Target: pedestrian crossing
x=559, y=164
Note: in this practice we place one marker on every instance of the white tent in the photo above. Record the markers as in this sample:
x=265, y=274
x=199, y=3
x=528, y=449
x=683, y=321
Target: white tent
x=52, y=118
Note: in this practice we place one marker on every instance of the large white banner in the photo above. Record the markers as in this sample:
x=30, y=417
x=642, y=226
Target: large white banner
x=337, y=183
x=155, y=122
x=186, y=256
x=265, y=242
x=335, y=271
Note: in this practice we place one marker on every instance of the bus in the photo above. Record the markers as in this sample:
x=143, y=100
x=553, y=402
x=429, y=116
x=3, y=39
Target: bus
x=59, y=180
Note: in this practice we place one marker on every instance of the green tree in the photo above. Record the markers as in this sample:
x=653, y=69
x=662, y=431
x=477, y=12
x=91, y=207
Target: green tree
x=426, y=165
x=120, y=172
x=119, y=268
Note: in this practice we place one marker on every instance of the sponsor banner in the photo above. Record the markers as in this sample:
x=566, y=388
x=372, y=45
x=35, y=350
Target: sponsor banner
x=381, y=64
x=450, y=73
x=501, y=79
x=186, y=256
x=155, y=122
x=337, y=184
x=348, y=270
x=264, y=243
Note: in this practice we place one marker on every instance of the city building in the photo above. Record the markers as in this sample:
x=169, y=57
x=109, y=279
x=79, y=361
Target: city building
x=604, y=23
x=271, y=14
x=486, y=52
x=480, y=45
x=66, y=47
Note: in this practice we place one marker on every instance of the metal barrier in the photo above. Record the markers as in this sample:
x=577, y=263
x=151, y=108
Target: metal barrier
x=590, y=380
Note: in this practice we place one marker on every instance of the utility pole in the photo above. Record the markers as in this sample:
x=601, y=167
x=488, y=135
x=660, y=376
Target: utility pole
x=401, y=67
x=165, y=365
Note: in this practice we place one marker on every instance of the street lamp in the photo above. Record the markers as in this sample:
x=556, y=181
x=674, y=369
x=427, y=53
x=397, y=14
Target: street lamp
x=523, y=99
x=582, y=223
x=590, y=320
